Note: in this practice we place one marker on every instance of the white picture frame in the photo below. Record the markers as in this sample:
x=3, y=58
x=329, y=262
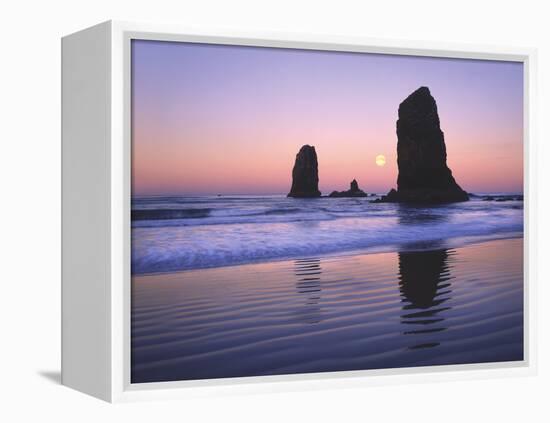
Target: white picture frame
x=96, y=213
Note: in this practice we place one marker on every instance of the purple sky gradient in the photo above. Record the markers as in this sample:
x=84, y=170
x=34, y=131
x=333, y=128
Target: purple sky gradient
x=211, y=119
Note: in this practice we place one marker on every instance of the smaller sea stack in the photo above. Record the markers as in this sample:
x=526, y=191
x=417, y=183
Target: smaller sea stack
x=353, y=191
x=421, y=155
x=305, y=174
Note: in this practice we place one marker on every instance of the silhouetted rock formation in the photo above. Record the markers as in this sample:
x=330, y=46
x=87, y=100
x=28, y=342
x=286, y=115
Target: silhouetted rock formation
x=353, y=191
x=500, y=198
x=421, y=155
x=305, y=174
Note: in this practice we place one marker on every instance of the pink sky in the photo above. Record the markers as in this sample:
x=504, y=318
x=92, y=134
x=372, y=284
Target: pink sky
x=223, y=119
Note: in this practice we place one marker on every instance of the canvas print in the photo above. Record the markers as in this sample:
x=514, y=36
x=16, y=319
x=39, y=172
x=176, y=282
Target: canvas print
x=305, y=211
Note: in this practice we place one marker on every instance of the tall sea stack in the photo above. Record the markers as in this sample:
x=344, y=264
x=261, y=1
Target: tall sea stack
x=305, y=174
x=421, y=155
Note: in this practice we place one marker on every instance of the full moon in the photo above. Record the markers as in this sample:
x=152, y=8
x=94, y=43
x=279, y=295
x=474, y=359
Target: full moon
x=380, y=160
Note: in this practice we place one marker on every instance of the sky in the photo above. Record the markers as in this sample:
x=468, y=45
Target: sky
x=217, y=119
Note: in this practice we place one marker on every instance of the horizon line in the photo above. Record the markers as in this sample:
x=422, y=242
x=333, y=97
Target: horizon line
x=285, y=194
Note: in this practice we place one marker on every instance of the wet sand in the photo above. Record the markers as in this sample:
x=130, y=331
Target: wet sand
x=316, y=314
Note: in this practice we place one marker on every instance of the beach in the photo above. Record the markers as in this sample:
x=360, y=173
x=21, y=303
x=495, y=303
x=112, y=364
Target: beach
x=431, y=303
x=369, y=216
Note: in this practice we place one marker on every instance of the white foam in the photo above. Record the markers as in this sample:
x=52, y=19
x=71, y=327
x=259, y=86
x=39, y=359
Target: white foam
x=252, y=231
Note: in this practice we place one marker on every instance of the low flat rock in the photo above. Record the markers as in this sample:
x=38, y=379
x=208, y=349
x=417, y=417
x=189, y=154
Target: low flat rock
x=353, y=191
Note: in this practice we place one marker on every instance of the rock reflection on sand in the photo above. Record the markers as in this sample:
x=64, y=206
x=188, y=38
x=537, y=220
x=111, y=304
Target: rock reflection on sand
x=331, y=313
x=308, y=284
x=425, y=285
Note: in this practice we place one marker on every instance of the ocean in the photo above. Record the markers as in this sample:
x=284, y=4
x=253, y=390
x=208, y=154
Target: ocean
x=171, y=233
x=239, y=286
